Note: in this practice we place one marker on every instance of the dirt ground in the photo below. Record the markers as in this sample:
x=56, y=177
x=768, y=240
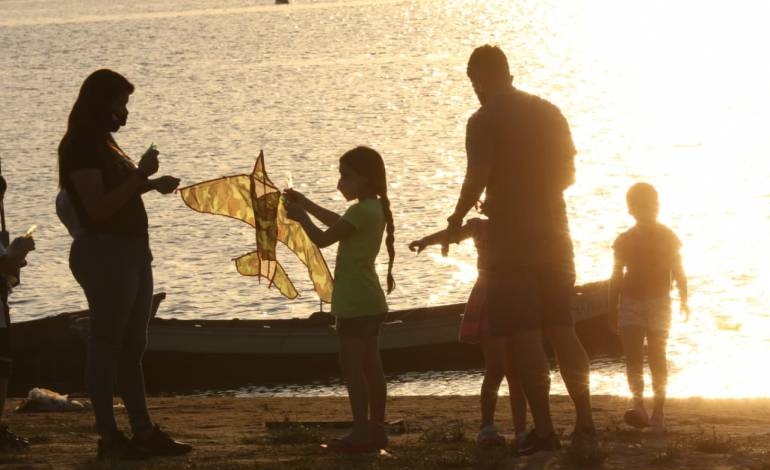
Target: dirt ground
x=231, y=433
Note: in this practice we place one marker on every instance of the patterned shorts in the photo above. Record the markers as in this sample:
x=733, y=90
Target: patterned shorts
x=653, y=314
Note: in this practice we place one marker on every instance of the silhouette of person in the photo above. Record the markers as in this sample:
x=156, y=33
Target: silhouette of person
x=520, y=150
x=647, y=260
x=497, y=350
x=111, y=260
x=12, y=259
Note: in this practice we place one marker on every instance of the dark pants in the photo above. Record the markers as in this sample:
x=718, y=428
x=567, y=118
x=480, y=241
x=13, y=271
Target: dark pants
x=116, y=276
x=5, y=336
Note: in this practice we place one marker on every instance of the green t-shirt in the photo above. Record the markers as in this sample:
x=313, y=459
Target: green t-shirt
x=357, y=290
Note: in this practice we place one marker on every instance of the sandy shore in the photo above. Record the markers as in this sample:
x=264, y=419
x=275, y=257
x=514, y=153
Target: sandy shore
x=230, y=433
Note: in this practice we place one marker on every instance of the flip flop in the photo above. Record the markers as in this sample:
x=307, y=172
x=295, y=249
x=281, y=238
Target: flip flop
x=632, y=418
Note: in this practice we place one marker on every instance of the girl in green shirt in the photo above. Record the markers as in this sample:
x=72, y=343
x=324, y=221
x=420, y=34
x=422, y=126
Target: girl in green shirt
x=358, y=301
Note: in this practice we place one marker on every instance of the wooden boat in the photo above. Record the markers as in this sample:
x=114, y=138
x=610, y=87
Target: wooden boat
x=200, y=354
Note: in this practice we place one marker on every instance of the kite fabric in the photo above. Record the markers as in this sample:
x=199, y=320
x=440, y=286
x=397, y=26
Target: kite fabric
x=254, y=199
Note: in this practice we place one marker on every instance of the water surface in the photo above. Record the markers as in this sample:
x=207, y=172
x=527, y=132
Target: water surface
x=670, y=93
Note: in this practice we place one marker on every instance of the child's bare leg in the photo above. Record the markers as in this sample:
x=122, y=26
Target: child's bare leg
x=352, y=351
x=632, y=339
x=377, y=388
x=494, y=369
x=656, y=353
x=529, y=357
x=516, y=392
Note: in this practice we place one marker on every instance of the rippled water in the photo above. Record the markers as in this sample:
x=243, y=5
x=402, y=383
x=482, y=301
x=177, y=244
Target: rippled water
x=670, y=93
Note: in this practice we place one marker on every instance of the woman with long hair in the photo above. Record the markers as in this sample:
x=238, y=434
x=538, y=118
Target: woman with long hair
x=111, y=260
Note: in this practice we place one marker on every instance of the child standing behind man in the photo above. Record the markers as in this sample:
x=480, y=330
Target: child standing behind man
x=647, y=260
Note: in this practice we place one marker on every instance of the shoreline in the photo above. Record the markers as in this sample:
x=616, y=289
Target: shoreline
x=230, y=433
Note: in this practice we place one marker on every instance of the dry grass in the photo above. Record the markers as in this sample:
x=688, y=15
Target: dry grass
x=229, y=434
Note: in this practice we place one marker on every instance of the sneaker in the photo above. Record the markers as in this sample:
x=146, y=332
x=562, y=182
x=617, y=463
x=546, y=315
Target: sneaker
x=489, y=437
x=119, y=447
x=160, y=444
x=10, y=441
x=532, y=443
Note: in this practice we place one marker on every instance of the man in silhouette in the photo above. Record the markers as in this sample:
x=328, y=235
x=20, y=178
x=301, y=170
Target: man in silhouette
x=520, y=151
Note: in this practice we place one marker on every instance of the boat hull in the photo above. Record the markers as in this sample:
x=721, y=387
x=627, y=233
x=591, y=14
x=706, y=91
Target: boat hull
x=205, y=354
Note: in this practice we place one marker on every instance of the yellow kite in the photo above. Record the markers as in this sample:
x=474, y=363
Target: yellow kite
x=255, y=200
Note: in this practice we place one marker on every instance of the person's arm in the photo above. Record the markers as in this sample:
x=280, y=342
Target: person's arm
x=479, y=149
x=325, y=216
x=322, y=238
x=100, y=204
x=681, y=284
x=443, y=237
x=616, y=281
x=164, y=185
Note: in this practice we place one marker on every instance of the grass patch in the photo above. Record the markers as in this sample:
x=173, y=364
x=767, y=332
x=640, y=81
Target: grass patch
x=452, y=433
x=584, y=454
x=295, y=435
x=576, y=458
x=714, y=444
x=670, y=455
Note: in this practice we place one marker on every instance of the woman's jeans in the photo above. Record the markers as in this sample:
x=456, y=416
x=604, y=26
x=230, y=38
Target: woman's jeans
x=116, y=275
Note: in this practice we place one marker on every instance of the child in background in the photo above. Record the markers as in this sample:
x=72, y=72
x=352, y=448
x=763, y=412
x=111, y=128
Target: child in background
x=12, y=258
x=646, y=261
x=358, y=302
x=474, y=329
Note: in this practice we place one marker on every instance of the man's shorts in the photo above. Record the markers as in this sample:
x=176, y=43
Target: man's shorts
x=360, y=327
x=652, y=314
x=531, y=297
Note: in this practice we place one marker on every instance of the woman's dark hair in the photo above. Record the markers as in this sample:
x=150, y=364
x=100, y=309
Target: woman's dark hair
x=369, y=164
x=90, y=121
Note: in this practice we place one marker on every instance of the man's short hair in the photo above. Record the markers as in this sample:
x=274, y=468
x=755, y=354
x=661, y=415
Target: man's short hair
x=488, y=61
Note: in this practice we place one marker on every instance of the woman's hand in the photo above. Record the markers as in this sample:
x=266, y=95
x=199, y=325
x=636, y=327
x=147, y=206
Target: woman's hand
x=148, y=164
x=418, y=245
x=165, y=184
